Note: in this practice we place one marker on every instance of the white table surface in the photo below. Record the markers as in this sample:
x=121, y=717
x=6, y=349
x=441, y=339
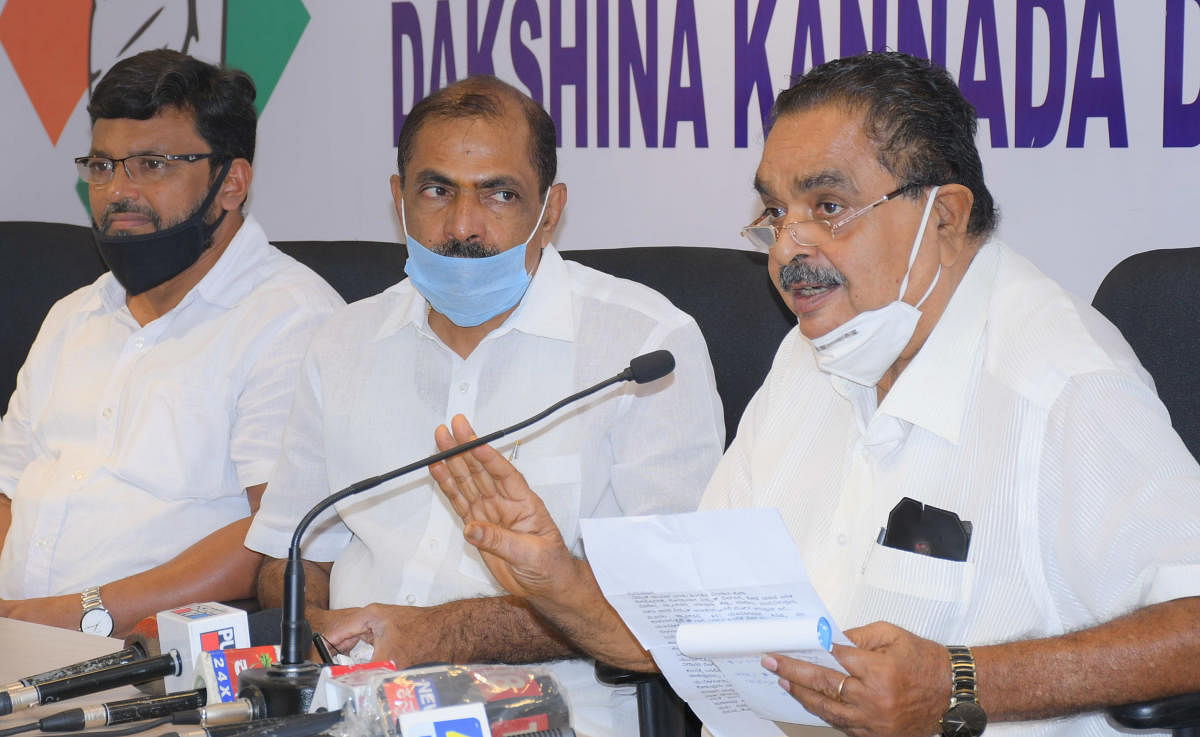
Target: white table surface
x=27, y=649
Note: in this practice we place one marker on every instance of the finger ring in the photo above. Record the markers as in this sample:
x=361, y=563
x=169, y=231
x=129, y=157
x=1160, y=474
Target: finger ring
x=841, y=686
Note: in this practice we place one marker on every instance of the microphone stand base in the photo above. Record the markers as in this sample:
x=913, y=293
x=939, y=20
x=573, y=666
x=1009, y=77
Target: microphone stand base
x=285, y=690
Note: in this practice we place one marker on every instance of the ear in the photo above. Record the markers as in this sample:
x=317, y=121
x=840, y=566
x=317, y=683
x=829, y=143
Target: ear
x=236, y=187
x=556, y=201
x=951, y=214
x=398, y=199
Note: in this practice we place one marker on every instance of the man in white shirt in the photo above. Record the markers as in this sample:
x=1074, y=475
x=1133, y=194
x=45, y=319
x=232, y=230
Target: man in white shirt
x=938, y=376
x=491, y=321
x=147, y=416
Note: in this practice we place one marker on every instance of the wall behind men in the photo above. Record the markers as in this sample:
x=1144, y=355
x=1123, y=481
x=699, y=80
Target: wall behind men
x=1090, y=124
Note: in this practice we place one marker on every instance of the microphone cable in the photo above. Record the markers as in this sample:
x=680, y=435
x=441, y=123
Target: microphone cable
x=33, y=726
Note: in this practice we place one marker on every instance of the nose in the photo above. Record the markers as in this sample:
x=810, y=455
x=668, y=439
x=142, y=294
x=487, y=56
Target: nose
x=121, y=186
x=787, y=248
x=466, y=219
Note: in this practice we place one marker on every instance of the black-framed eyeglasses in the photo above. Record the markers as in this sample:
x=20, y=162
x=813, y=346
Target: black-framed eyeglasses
x=815, y=232
x=142, y=168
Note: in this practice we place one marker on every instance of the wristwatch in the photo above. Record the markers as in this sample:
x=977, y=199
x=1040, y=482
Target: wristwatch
x=96, y=618
x=965, y=717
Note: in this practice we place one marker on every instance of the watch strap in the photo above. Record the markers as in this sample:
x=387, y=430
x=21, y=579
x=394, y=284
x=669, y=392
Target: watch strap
x=90, y=598
x=962, y=675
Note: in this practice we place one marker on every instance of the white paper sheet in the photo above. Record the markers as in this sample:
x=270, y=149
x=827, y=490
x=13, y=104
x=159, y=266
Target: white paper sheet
x=737, y=568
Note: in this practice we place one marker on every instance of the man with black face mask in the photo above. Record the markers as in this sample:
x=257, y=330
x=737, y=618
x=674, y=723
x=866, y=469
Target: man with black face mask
x=147, y=416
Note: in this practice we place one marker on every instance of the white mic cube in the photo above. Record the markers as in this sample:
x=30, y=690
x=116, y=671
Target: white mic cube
x=196, y=628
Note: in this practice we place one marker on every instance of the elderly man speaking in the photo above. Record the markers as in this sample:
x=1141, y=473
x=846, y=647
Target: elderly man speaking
x=932, y=367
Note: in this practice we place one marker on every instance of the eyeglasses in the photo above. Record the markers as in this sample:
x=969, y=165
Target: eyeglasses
x=139, y=168
x=815, y=232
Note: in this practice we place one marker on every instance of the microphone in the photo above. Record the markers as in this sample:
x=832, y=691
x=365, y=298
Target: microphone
x=648, y=367
x=231, y=712
x=121, y=712
x=303, y=725
x=121, y=657
x=287, y=687
x=89, y=683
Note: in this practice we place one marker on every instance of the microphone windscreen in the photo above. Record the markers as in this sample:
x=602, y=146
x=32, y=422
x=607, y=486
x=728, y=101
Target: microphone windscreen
x=651, y=366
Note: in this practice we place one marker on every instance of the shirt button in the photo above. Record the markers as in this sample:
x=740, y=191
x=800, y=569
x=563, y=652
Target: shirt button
x=842, y=539
x=410, y=599
x=433, y=544
x=139, y=343
x=463, y=387
x=78, y=475
x=43, y=542
x=107, y=413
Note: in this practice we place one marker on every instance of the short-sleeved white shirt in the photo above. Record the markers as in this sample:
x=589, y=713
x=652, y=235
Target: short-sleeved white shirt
x=123, y=445
x=377, y=381
x=1027, y=414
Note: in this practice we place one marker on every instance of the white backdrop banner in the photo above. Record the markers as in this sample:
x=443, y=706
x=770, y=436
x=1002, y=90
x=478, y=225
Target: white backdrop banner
x=1089, y=117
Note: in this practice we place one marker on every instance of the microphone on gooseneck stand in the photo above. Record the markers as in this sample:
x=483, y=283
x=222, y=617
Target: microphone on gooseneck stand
x=287, y=687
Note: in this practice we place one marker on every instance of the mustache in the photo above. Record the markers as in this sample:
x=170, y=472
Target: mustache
x=799, y=271
x=124, y=206
x=455, y=248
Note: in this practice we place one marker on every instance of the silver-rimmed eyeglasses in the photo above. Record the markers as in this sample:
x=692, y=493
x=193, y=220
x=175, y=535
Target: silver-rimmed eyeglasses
x=816, y=232
x=139, y=168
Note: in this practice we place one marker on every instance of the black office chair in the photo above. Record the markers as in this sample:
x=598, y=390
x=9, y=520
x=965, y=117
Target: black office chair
x=39, y=264
x=1154, y=300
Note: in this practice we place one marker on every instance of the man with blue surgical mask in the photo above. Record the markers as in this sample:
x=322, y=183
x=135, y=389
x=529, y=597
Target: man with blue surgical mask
x=491, y=322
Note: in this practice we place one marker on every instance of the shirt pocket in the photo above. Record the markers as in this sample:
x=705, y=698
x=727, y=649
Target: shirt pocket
x=557, y=480
x=175, y=443
x=901, y=585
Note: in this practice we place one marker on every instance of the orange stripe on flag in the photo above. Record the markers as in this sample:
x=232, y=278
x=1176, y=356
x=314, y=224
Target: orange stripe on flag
x=47, y=43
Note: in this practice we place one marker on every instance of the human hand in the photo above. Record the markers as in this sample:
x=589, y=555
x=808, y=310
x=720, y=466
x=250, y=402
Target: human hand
x=504, y=518
x=899, y=683
x=405, y=635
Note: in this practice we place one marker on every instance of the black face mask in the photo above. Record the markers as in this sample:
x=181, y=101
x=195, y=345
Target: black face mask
x=142, y=262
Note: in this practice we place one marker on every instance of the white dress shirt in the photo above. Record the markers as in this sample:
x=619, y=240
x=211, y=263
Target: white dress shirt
x=123, y=445
x=1027, y=414
x=377, y=381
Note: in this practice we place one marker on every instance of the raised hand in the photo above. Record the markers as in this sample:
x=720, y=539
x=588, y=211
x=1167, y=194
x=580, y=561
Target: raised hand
x=508, y=523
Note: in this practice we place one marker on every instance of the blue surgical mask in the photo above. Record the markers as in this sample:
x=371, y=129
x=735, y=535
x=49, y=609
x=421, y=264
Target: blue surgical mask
x=469, y=291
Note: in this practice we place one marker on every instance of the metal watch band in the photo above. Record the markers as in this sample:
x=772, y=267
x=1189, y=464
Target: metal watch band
x=91, y=598
x=962, y=674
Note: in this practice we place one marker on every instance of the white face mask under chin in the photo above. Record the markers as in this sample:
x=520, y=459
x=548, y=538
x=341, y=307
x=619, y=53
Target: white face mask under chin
x=863, y=348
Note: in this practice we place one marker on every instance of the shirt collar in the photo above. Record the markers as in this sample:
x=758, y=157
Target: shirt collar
x=545, y=309
x=234, y=275
x=946, y=362
x=229, y=280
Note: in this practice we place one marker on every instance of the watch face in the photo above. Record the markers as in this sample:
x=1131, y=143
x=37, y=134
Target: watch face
x=964, y=719
x=97, y=622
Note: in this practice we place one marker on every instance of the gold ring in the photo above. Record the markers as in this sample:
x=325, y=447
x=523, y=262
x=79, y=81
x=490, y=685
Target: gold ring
x=841, y=686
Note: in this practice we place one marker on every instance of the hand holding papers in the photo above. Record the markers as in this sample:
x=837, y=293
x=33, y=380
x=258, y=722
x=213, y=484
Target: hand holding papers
x=658, y=573
x=727, y=586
